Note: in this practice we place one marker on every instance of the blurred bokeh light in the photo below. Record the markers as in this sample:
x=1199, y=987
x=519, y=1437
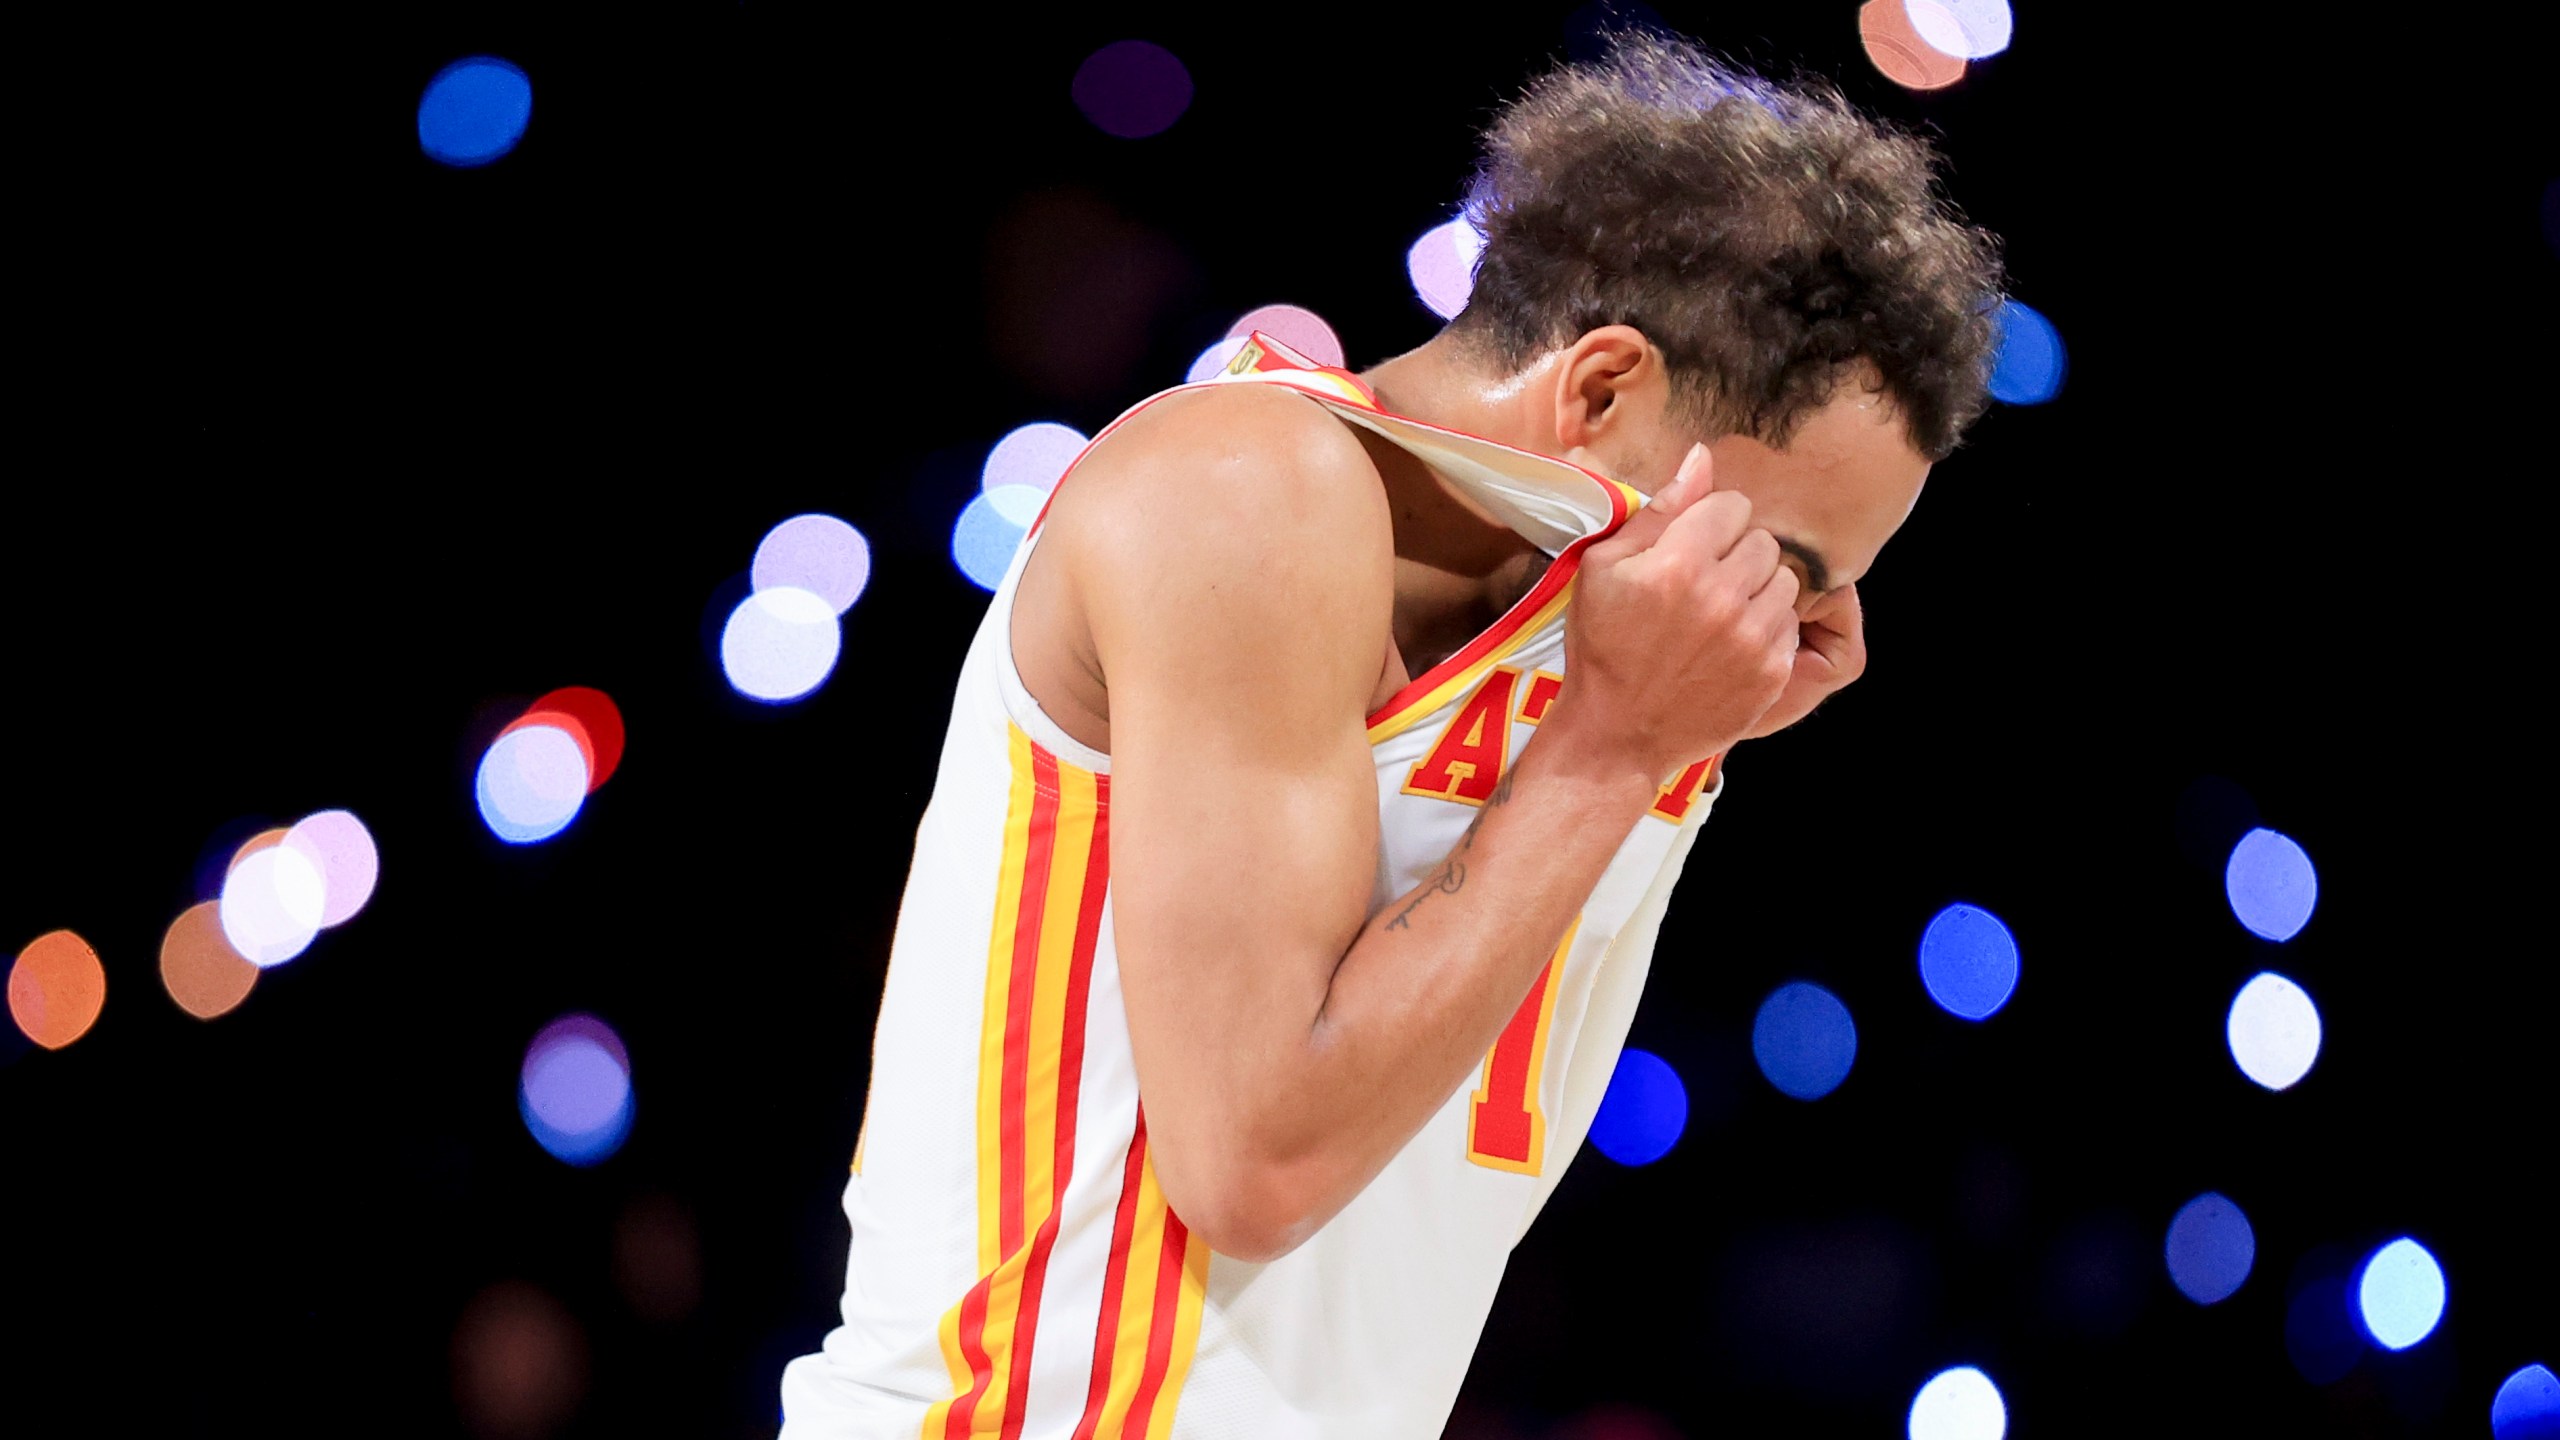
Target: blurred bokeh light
x=1962, y=29
x=1644, y=1110
x=2271, y=884
x=986, y=535
x=272, y=902
x=1132, y=89
x=1898, y=52
x=1968, y=961
x=1804, y=1040
x=1032, y=456
x=1442, y=265
x=2321, y=1335
x=198, y=966
x=533, y=779
x=474, y=111
x=2400, y=1294
x=657, y=1259
x=1212, y=361
x=342, y=850
x=2274, y=1030
x=1295, y=326
x=1959, y=1404
x=2028, y=366
x=590, y=717
x=575, y=1090
x=519, y=1363
x=780, y=644
x=818, y=553
x=2210, y=1250
x=56, y=989
x=2527, y=1407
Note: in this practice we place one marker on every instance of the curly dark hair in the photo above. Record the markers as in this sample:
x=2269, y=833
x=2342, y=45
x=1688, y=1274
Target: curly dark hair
x=1768, y=238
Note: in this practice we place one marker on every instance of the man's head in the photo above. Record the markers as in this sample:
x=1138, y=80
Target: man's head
x=1675, y=251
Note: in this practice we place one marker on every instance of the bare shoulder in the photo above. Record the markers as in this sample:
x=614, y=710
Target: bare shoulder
x=1212, y=525
x=1204, y=478
x=1235, y=457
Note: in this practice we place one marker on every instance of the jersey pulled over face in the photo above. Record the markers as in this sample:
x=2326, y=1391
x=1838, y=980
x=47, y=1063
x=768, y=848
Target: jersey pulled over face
x=1014, y=1269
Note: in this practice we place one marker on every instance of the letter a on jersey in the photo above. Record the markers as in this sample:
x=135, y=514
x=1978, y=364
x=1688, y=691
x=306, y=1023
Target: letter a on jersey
x=1467, y=759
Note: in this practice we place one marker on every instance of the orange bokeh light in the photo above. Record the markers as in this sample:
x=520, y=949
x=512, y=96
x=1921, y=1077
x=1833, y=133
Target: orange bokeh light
x=204, y=974
x=263, y=840
x=1896, y=48
x=57, y=989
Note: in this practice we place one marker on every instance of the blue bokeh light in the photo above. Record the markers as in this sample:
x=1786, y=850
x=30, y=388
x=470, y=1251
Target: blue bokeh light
x=2320, y=1332
x=474, y=111
x=2211, y=1248
x=2029, y=361
x=1968, y=961
x=984, y=539
x=2528, y=1406
x=2271, y=884
x=2400, y=1294
x=1804, y=1040
x=1644, y=1111
x=531, y=783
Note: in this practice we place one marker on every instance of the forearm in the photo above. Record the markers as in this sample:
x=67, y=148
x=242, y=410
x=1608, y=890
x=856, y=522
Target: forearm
x=1431, y=979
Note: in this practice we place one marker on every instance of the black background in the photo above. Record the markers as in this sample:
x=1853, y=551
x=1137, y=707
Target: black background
x=330, y=456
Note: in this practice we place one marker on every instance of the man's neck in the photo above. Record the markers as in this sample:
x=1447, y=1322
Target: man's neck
x=1458, y=567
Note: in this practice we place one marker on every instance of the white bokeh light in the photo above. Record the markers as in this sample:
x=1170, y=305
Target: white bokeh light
x=817, y=553
x=1959, y=1404
x=1963, y=29
x=532, y=782
x=272, y=903
x=341, y=849
x=2274, y=1031
x=1442, y=265
x=780, y=644
x=2400, y=1294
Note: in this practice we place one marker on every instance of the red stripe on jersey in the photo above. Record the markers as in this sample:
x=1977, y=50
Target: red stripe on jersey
x=1160, y=1328
x=1115, y=1279
x=1097, y=868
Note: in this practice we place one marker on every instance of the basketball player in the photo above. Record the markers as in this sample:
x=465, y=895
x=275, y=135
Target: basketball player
x=1318, y=778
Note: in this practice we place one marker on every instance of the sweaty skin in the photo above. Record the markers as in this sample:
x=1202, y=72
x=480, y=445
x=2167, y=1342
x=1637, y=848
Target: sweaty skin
x=1287, y=1041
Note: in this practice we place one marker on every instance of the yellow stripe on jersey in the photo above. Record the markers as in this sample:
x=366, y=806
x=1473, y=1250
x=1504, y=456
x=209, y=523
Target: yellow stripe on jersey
x=1186, y=1335
x=1459, y=682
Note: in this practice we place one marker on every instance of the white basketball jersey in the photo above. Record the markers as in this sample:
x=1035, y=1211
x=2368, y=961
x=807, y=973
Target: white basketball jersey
x=1014, y=1268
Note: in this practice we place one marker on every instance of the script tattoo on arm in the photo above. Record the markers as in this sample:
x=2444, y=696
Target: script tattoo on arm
x=1453, y=871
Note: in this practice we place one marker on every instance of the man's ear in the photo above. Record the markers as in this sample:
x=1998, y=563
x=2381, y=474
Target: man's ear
x=1601, y=372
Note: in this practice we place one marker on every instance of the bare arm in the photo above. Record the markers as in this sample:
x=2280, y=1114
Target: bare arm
x=1234, y=563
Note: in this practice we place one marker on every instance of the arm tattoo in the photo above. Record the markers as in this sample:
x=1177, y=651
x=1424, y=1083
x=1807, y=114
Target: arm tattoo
x=1453, y=871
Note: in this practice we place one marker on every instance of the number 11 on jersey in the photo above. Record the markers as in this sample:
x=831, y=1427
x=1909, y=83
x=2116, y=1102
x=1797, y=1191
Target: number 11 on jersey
x=1506, y=1126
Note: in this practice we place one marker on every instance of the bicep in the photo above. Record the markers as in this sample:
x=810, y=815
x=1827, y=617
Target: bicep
x=1240, y=632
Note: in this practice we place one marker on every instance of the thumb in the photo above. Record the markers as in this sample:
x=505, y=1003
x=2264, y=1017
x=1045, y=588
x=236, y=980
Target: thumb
x=1692, y=482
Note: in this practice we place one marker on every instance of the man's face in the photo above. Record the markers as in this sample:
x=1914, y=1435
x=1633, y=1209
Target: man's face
x=1841, y=487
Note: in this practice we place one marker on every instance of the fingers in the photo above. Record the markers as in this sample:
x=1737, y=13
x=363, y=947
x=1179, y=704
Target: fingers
x=1694, y=479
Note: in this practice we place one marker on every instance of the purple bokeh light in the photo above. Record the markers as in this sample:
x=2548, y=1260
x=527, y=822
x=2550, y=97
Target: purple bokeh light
x=1442, y=265
x=1132, y=89
x=575, y=1089
x=817, y=553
